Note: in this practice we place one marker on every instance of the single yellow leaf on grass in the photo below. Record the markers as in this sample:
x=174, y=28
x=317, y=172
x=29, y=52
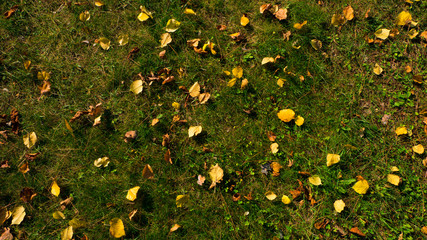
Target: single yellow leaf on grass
x=97, y=121
x=393, y=179
x=394, y=169
x=238, y=72
x=18, y=214
x=136, y=86
x=181, y=200
x=4, y=215
x=209, y=45
x=104, y=42
x=58, y=215
x=401, y=131
x=378, y=69
x=144, y=15
x=337, y=20
x=189, y=11
x=412, y=33
x=316, y=44
x=361, y=186
x=348, y=13
x=280, y=82
x=267, y=60
x=274, y=147
x=244, y=20
x=339, y=205
x=45, y=87
x=204, y=97
x=270, y=195
x=99, y=3
x=176, y=105
x=286, y=115
x=147, y=172
x=131, y=196
x=43, y=76
x=123, y=39
x=194, y=131
x=332, y=159
x=281, y=14
x=286, y=200
x=216, y=173
x=424, y=230
x=315, y=180
x=84, y=16
x=104, y=161
x=231, y=82
x=418, y=149
x=194, y=90
x=27, y=64
x=403, y=18
x=117, y=229
x=299, y=121
x=67, y=234
x=165, y=39
x=382, y=33
x=300, y=25
x=245, y=83
x=174, y=228
x=154, y=121
x=172, y=25
x=55, y=189
x=30, y=139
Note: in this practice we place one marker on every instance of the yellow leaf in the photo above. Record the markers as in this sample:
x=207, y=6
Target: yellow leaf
x=77, y=223
x=276, y=168
x=393, y=179
x=97, y=120
x=18, y=214
x=244, y=20
x=280, y=82
x=99, y=3
x=274, y=148
x=361, y=186
x=181, y=200
x=281, y=14
x=147, y=172
x=45, y=87
x=123, y=39
x=267, y=60
x=337, y=20
x=132, y=193
x=104, y=161
x=136, y=86
x=332, y=159
x=43, y=76
x=176, y=105
x=84, y=16
x=424, y=230
x=194, y=131
x=231, y=82
x=144, y=15
x=412, y=33
x=286, y=200
x=30, y=139
x=286, y=115
x=117, y=229
x=315, y=180
x=58, y=215
x=204, y=97
x=348, y=13
x=403, y=18
x=216, y=173
x=104, y=42
x=27, y=64
x=382, y=33
x=209, y=45
x=394, y=169
x=55, y=189
x=244, y=83
x=270, y=195
x=299, y=120
x=172, y=25
x=339, y=205
x=237, y=72
x=300, y=25
x=67, y=234
x=189, y=11
x=4, y=215
x=316, y=44
x=378, y=69
x=195, y=90
x=401, y=131
x=68, y=126
x=418, y=149
x=227, y=73
x=154, y=121
x=165, y=39
x=174, y=228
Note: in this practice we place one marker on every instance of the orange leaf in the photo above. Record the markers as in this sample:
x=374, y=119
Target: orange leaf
x=356, y=231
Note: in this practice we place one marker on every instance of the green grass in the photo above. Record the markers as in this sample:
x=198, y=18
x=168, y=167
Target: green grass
x=342, y=103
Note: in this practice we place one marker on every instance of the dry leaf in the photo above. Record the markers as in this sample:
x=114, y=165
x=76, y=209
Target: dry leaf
x=154, y=121
x=361, y=186
x=280, y=82
x=276, y=168
x=4, y=215
x=244, y=20
x=316, y=44
x=144, y=15
x=104, y=43
x=123, y=39
x=300, y=25
x=136, y=86
x=11, y=11
x=147, y=172
x=194, y=90
x=403, y=18
x=216, y=173
x=393, y=179
x=337, y=20
x=231, y=82
x=245, y=83
x=84, y=16
x=67, y=234
x=286, y=200
x=6, y=235
x=394, y=169
x=132, y=193
x=58, y=215
x=27, y=64
x=24, y=168
x=270, y=195
x=221, y=27
x=194, y=131
x=339, y=205
x=267, y=60
x=181, y=200
x=174, y=228
x=237, y=72
x=418, y=149
x=55, y=189
x=264, y=7
x=168, y=158
x=378, y=69
x=45, y=87
x=424, y=230
x=162, y=54
x=204, y=97
x=97, y=121
x=321, y=223
x=172, y=25
x=98, y=3
x=286, y=115
x=189, y=11
x=30, y=139
x=401, y=131
x=382, y=33
x=367, y=13
x=274, y=147
x=332, y=159
x=117, y=229
x=165, y=39
x=281, y=14
x=356, y=231
x=271, y=136
x=348, y=13
x=412, y=33
x=315, y=180
x=27, y=194
x=200, y=180
x=104, y=161
x=130, y=136
x=43, y=76
x=18, y=214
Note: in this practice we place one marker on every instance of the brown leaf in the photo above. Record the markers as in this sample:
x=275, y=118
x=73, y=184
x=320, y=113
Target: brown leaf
x=168, y=80
x=27, y=194
x=24, y=168
x=424, y=230
x=130, y=136
x=66, y=202
x=78, y=115
x=281, y=14
x=166, y=140
x=95, y=111
x=237, y=37
x=14, y=119
x=31, y=156
x=249, y=197
x=147, y=172
x=304, y=174
x=10, y=12
x=221, y=27
x=322, y=223
x=356, y=231
x=132, y=214
x=271, y=136
x=207, y=150
x=132, y=52
x=168, y=158
x=4, y=164
x=418, y=79
x=6, y=235
x=295, y=193
x=236, y=197
x=162, y=54
x=367, y=13
x=276, y=168
x=265, y=7
x=45, y=87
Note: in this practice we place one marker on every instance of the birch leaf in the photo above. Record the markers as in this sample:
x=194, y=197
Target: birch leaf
x=181, y=200
x=136, y=86
x=172, y=25
x=393, y=179
x=165, y=39
x=315, y=180
x=117, y=229
x=361, y=186
x=132, y=193
x=30, y=139
x=332, y=159
x=18, y=214
x=58, y=215
x=194, y=131
x=286, y=115
x=55, y=189
x=67, y=234
x=216, y=173
x=339, y=205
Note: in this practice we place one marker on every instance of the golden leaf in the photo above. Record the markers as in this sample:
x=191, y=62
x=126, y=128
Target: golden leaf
x=104, y=43
x=209, y=45
x=176, y=105
x=154, y=121
x=276, y=168
x=194, y=131
x=204, y=97
x=58, y=215
x=264, y=7
x=270, y=195
x=332, y=159
x=84, y=16
x=401, y=131
x=281, y=14
x=394, y=169
x=339, y=205
x=55, y=189
x=30, y=139
x=378, y=69
x=67, y=234
x=18, y=214
x=348, y=13
x=104, y=161
x=403, y=18
x=123, y=39
x=24, y=168
x=267, y=60
x=382, y=33
x=274, y=148
x=245, y=83
x=147, y=172
x=315, y=180
x=244, y=20
x=174, y=227
x=231, y=82
x=172, y=25
x=45, y=87
x=393, y=179
x=189, y=11
x=144, y=15
x=216, y=173
x=418, y=149
x=286, y=200
x=316, y=44
x=165, y=39
x=27, y=64
x=181, y=200
x=286, y=115
x=4, y=215
x=132, y=193
x=412, y=33
x=361, y=186
x=195, y=90
x=337, y=20
x=117, y=229
x=97, y=120
x=300, y=25
x=237, y=72
x=280, y=82
x=136, y=86
x=299, y=121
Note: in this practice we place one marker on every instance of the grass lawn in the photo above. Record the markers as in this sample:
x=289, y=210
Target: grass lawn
x=77, y=76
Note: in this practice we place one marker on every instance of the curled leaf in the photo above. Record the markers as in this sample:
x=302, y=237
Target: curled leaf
x=194, y=131
x=104, y=161
x=172, y=25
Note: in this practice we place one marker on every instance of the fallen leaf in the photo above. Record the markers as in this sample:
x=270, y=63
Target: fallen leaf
x=337, y=20
x=237, y=72
x=316, y=44
x=245, y=83
x=348, y=13
x=216, y=173
x=165, y=39
x=401, y=131
x=194, y=131
x=315, y=180
x=264, y=7
x=27, y=64
x=281, y=14
x=147, y=172
x=412, y=33
x=332, y=159
x=123, y=39
x=270, y=195
x=424, y=35
x=394, y=169
x=356, y=231
x=300, y=25
x=200, y=180
x=378, y=69
x=204, y=97
x=321, y=223
x=286, y=115
x=403, y=18
x=189, y=11
x=194, y=90
x=132, y=214
x=286, y=200
x=174, y=227
x=221, y=27
x=299, y=121
x=18, y=214
x=144, y=15
x=117, y=229
x=209, y=45
x=271, y=136
x=231, y=82
x=274, y=147
x=280, y=82
x=45, y=87
x=385, y=118
x=99, y=3
x=276, y=168
x=4, y=215
x=6, y=235
x=424, y=230
x=136, y=86
x=55, y=189
x=267, y=60
x=30, y=139
x=244, y=20
x=417, y=79
x=162, y=54
x=168, y=158
x=382, y=33
x=154, y=121
x=27, y=194
x=172, y=25
x=418, y=149
x=361, y=186
x=181, y=200
x=339, y=205
x=24, y=168
x=393, y=179
x=286, y=35
x=11, y=11
x=84, y=16
x=132, y=193
x=130, y=136
x=58, y=215
x=97, y=121
x=67, y=234
x=104, y=161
